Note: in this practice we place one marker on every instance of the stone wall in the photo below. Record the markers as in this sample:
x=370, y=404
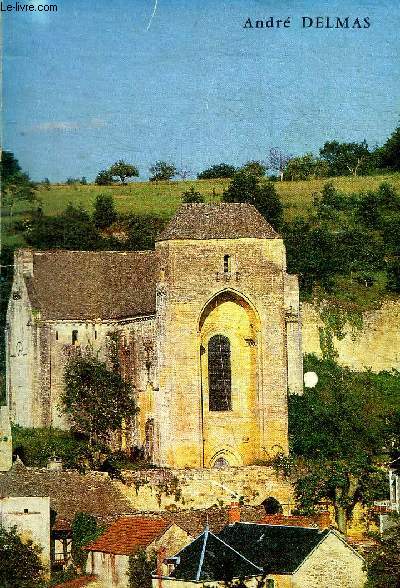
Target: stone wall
x=375, y=345
x=333, y=563
x=164, y=489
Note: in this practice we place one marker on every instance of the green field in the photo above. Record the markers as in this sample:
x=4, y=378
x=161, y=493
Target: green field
x=163, y=198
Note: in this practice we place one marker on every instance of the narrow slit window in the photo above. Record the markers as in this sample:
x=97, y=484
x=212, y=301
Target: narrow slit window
x=74, y=337
x=227, y=264
x=219, y=373
x=56, y=335
x=95, y=334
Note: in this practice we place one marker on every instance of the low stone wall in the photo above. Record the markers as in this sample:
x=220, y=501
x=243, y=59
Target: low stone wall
x=375, y=345
x=165, y=489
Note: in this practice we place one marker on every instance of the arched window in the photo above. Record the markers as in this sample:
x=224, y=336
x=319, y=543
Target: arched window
x=219, y=373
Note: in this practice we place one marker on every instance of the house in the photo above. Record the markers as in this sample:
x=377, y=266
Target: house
x=208, y=331
x=385, y=508
x=31, y=516
x=70, y=493
x=109, y=554
x=266, y=555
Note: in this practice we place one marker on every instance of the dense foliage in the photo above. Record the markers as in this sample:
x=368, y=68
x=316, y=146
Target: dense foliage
x=104, y=213
x=192, y=196
x=16, y=185
x=36, y=446
x=220, y=170
x=247, y=187
x=341, y=432
x=162, y=171
x=96, y=398
x=84, y=530
x=384, y=560
x=353, y=235
x=20, y=565
x=140, y=569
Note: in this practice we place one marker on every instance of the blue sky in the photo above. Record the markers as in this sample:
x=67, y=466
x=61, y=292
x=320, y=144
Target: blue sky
x=100, y=81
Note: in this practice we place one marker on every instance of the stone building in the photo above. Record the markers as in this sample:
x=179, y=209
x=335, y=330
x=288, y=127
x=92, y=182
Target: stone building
x=271, y=556
x=208, y=331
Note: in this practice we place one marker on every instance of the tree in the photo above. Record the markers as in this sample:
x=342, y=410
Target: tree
x=340, y=433
x=72, y=229
x=257, y=168
x=302, y=167
x=192, y=196
x=96, y=398
x=104, y=213
x=84, y=530
x=388, y=156
x=344, y=159
x=221, y=170
x=384, y=560
x=123, y=170
x=278, y=160
x=162, y=171
x=141, y=567
x=246, y=187
x=16, y=185
x=143, y=230
x=104, y=178
x=20, y=565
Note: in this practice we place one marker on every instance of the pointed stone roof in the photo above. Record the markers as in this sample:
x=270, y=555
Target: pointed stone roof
x=217, y=221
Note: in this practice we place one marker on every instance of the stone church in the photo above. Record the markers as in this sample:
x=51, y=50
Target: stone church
x=208, y=331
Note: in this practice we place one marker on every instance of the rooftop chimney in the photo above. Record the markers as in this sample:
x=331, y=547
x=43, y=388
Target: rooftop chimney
x=234, y=513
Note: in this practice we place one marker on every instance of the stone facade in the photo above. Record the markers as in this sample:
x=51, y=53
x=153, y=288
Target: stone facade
x=375, y=344
x=5, y=440
x=218, y=271
x=172, y=490
x=333, y=563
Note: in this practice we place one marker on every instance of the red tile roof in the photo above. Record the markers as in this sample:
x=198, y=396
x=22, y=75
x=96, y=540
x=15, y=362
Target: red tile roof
x=128, y=534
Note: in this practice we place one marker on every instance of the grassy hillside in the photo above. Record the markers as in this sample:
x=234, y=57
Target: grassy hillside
x=164, y=197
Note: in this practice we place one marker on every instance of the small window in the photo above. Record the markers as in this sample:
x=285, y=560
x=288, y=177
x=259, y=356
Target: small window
x=56, y=335
x=74, y=337
x=26, y=510
x=95, y=334
x=227, y=264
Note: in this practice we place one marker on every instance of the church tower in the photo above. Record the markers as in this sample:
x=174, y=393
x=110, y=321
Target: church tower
x=227, y=338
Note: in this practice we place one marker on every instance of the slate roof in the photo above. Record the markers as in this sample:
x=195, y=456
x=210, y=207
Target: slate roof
x=277, y=549
x=128, y=534
x=70, y=492
x=210, y=558
x=93, y=284
x=217, y=221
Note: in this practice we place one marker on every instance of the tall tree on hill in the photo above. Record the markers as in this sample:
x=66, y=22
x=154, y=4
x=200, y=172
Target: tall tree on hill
x=162, y=171
x=346, y=158
x=246, y=187
x=220, y=170
x=104, y=213
x=123, y=171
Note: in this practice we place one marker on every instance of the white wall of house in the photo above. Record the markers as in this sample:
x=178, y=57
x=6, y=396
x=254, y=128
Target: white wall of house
x=31, y=516
x=112, y=570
